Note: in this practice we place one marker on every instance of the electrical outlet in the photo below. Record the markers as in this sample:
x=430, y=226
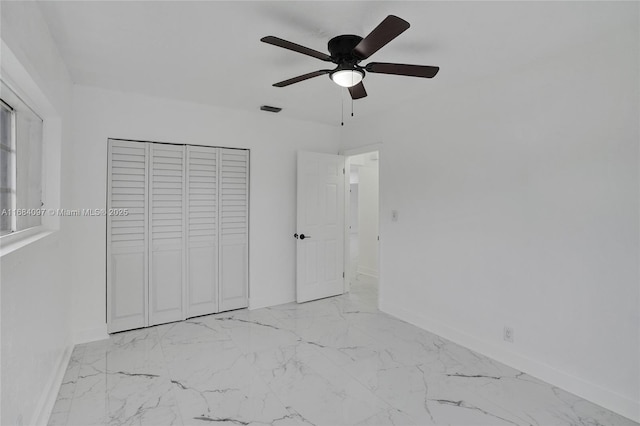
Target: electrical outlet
x=508, y=334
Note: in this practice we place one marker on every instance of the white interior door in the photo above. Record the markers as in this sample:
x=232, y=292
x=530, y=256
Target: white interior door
x=320, y=226
x=183, y=249
x=167, y=223
x=127, y=236
x=234, y=229
x=202, y=230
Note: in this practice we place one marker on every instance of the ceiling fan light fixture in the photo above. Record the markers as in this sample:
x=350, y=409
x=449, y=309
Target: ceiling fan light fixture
x=348, y=50
x=347, y=78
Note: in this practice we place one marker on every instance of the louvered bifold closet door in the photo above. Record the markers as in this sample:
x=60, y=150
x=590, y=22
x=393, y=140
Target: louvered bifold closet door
x=234, y=228
x=127, y=236
x=167, y=205
x=202, y=230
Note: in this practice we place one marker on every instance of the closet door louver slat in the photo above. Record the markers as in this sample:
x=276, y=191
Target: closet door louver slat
x=202, y=230
x=234, y=228
x=127, y=236
x=167, y=204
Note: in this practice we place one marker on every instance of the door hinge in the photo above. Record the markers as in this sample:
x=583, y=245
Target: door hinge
x=343, y=275
x=343, y=170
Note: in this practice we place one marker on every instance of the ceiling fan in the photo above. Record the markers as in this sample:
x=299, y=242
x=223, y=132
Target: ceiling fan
x=347, y=51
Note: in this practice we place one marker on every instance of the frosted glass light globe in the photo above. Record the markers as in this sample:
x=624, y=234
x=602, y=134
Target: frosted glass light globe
x=347, y=78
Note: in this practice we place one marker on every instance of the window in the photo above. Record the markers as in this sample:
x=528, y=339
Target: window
x=7, y=161
x=20, y=164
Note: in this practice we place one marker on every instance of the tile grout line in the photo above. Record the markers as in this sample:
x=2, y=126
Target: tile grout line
x=166, y=367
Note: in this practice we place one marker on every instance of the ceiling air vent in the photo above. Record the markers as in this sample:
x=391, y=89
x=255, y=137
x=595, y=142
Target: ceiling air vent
x=270, y=108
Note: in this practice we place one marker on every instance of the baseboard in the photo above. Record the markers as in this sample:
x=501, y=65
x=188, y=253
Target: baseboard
x=259, y=304
x=590, y=391
x=48, y=397
x=369, y=272
x=90, y=335
x=366, y=279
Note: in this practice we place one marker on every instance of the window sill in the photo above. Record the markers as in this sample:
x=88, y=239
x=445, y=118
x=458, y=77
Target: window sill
x=17, y=240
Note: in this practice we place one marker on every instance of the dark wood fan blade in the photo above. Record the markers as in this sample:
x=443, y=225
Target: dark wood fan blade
x=300, y=78
x=424, y=71
x=295, y=47
x=357, y=91
x=390, y=28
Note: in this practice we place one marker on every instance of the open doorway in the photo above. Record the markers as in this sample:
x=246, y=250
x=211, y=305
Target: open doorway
x=362, y=237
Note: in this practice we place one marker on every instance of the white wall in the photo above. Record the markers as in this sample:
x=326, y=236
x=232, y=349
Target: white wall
x=273, y=141
x=368, y=219
x=518, y=205
x=353, y=212
x=35, y=290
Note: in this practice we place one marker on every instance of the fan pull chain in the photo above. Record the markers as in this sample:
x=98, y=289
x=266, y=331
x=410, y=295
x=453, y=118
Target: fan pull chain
x=342, y=105
x=352, y=84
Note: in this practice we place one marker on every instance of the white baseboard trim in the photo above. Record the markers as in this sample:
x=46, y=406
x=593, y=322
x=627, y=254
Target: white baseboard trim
x=48, y=397
x=590, y=391
x=267, y=303
x=367, y=279
x=90, y=335
x=363, y=270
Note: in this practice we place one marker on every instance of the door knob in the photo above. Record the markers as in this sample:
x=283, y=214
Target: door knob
x=302, y=236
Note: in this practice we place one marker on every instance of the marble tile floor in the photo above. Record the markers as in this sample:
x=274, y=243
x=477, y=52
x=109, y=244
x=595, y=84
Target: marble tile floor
x=336, y=361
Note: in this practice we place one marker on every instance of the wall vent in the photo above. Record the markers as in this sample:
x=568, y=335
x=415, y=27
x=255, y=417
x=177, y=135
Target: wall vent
x=270, y=108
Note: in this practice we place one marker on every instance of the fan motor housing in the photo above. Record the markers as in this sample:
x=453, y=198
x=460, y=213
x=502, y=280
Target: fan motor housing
x=341, y=47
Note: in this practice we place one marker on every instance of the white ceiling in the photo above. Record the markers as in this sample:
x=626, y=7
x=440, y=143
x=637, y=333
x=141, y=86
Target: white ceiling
x=210, y=51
